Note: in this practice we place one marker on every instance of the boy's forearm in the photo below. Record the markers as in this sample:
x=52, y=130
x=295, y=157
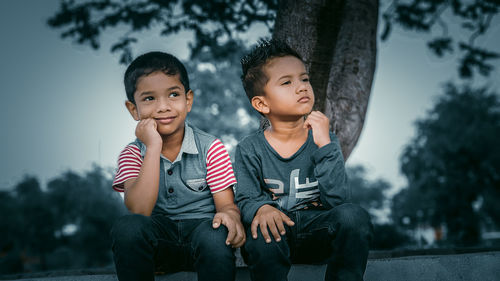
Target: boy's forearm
x=330, y=172
x=229, y=208
x=141, y=195
x=224, y=202
x=249, y=196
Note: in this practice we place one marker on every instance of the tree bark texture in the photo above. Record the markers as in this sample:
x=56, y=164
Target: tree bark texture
x=338, y=42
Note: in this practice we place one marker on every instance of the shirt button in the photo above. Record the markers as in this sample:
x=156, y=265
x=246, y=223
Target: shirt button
x=169, y=172
x=170, y=190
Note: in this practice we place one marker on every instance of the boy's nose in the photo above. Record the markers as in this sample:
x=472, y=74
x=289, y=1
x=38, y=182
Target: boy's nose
x=301, y=88
x=163, y=105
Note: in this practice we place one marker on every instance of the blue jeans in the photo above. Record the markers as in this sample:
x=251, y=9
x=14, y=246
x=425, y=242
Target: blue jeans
x=338, y=237
x=145, y=245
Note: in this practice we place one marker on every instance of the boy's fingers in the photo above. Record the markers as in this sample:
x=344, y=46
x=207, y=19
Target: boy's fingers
x=230, y=235
x=316, y=114
x=216, y=222
x=287, y=220
x=253, y=228
x=274, y=230
x=281, y=227
x=239, y=243
x=311, y=121
x=265, y=233
x=239, y=239
x=243, y=235
x=307, y=123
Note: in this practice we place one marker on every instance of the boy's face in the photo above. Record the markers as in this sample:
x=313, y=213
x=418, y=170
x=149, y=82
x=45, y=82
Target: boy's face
x=288, y=92
x=163, y=98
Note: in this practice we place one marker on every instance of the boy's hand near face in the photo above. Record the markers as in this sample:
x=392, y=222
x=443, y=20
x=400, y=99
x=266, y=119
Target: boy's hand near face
x=268, y=216
x=147, y=133
x=320, y=125
x=141, y=193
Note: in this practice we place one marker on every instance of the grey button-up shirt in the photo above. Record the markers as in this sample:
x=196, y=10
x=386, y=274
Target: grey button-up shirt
x=183, y=191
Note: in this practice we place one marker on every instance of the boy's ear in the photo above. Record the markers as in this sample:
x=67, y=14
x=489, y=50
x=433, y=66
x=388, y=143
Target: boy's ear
x=132, y=108
x=260, y=104
x=189, y=100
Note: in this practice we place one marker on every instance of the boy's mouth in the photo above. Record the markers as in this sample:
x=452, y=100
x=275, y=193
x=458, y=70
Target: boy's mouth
x=304, y=99
x=165, y=120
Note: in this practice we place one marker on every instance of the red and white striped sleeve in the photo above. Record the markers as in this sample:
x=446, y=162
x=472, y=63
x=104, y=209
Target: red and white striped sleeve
x=220, y=173
x=129, y=165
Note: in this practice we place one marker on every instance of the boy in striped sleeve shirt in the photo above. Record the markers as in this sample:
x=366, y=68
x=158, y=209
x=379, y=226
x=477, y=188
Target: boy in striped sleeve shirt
x=177, y=183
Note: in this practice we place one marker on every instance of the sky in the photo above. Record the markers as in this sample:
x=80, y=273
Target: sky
x=63, y=104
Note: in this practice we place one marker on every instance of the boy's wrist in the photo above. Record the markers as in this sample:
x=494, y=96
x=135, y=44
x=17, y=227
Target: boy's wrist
x=153, y=149
x=154, y=143
x=324, y=142
x=231, y=209
x=264, y=208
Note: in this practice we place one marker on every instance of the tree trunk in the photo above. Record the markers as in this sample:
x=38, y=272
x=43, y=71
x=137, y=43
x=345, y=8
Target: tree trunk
x=338, y=41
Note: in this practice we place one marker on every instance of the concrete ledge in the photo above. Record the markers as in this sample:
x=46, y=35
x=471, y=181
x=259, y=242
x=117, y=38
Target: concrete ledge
x=483, y=266
x=466, y=267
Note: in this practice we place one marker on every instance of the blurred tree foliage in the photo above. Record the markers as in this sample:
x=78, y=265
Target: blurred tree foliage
x=388, y=236
x=36, y=220
x=475, y=18
x=372, y=196
x=368, y=194
x=211, y=21
x=215, y=21
x=452, y=166
x=64, y=226
x=220, y=104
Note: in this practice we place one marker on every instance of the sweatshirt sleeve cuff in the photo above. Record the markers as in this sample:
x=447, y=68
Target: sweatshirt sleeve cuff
x=251, y=210
x=322, y=152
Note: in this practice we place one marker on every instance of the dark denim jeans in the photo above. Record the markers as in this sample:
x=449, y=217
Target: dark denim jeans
x=145, y=245
x=339, y=237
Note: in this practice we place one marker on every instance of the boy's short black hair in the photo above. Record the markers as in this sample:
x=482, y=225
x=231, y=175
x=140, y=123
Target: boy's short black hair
x=151, y=62
x=254, y=78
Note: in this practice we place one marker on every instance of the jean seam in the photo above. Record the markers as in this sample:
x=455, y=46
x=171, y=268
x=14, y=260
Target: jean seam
x=302, y=234
x=179, y=232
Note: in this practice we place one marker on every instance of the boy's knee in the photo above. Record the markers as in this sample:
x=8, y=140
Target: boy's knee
x=130, y=228
x=210, y=240
x=258, y=248
x=353, y=217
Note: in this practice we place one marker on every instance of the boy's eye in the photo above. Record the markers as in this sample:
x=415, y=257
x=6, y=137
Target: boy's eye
x=286, y=82
x=305, y=79
x=173, y=94
x=148, y=98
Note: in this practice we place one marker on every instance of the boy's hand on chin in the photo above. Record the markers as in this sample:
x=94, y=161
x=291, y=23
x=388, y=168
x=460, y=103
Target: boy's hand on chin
x=268, y=216
x=320, y=125
x=231, y=219
x=147, y=133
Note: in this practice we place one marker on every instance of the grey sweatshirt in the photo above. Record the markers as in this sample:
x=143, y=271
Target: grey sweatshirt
x=311, y=178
